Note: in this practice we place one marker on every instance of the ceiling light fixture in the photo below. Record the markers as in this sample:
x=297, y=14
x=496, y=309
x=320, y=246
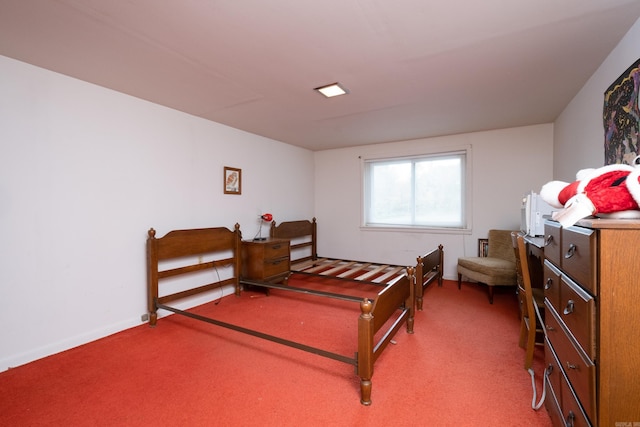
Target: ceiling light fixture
x=334, y=89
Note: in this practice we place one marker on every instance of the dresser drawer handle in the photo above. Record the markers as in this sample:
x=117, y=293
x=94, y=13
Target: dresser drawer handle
x=569, y=308
x=571, y=417
x=548, y=240
x=276, y=246
x=571, y=366
x=571, y=251
x=548, y=283
x=549, y=328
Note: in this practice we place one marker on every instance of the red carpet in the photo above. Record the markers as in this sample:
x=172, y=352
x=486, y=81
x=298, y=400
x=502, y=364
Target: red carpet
x=462, y=367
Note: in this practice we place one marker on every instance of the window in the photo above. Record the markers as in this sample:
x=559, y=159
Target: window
x=427, y=191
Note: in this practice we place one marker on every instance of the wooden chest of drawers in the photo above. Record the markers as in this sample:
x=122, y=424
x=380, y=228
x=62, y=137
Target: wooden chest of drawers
x=266, y=260
x=592, y=322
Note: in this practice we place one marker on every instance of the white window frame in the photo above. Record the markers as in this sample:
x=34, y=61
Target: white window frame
x=466, y=225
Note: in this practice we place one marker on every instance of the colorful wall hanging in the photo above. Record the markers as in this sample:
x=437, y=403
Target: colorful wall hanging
x=622, y=118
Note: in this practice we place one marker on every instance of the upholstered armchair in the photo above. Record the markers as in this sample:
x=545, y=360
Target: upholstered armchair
x=498, y=268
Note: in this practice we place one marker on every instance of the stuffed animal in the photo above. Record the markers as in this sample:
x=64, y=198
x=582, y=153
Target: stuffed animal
x=610, y=191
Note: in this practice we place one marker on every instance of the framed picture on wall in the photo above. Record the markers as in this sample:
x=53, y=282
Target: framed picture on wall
x=232, y=180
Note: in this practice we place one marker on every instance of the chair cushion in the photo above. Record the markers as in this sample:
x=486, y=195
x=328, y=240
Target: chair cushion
x=488, y=270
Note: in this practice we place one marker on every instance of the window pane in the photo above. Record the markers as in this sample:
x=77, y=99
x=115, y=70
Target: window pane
x=438, y=190
x=424, y=191
x=391, y=201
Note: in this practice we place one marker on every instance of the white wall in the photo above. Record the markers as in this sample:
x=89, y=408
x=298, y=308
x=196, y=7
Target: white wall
x=579, y=131
x=506, y=164
x=84, y=173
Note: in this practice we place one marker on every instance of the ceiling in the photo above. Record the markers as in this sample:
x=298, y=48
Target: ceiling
x=414, y=68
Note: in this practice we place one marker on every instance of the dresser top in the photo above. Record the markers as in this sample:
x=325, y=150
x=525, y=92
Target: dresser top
x=609, y=223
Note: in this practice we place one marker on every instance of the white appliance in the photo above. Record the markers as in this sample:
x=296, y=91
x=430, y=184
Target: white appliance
x=534, y=210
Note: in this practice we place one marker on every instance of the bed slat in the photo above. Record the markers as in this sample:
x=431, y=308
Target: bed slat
x=372, y=272
x=324, y=265
x=392, y=273
x=354, y=270
x=338, y=268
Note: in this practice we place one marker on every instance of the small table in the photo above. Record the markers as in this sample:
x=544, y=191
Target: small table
x=266, y=260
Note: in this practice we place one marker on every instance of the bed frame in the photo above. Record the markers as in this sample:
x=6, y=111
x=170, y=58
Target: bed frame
x=392, y=307
x=304, y=260
x=429, y=268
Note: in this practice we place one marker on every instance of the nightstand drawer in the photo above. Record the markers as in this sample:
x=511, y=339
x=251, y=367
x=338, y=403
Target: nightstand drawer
x=276, y=249
x=276, y=266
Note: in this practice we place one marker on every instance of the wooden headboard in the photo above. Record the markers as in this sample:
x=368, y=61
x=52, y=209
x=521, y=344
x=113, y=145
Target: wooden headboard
x=303, y=235
x=220, y=245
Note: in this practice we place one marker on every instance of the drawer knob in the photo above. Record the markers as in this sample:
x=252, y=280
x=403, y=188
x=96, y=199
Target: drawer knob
x=569, y=308
x=571, y=251
x=571, y=366
x=548, y=283
x=548, y=239
x=571, y=418
x=550, y=328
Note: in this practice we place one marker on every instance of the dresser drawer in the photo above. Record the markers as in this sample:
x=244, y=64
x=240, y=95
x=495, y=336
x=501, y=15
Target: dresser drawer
x=552, y=404
x=277, y=249
x=579, y=256
x=572, y=412
x=552, y=232
x=577, y=310
x=578, y=368
x=552, y=365
x=551, y=283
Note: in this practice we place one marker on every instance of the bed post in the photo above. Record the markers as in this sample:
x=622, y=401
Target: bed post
x=365, y=350
x=441, y=265
x=314, y=239
x=410, y=303
x=152, y=276
x=237, y=257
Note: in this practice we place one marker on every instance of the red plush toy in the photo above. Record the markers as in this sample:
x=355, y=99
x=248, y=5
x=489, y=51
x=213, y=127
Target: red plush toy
x=612, y=190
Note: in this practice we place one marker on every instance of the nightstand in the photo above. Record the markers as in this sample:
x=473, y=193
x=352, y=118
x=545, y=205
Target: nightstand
x=266, y=260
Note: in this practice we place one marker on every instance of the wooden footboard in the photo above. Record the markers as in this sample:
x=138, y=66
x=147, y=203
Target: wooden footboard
x=429, y=268
x=396, y=295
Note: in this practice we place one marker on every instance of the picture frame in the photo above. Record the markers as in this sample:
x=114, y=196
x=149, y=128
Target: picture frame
x=483, y=247
x=232, y=180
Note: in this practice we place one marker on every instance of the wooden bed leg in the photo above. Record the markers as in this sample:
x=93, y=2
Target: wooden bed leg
x=411, y=276
x=153, y=318
x=365, y=350
x=365, y=392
